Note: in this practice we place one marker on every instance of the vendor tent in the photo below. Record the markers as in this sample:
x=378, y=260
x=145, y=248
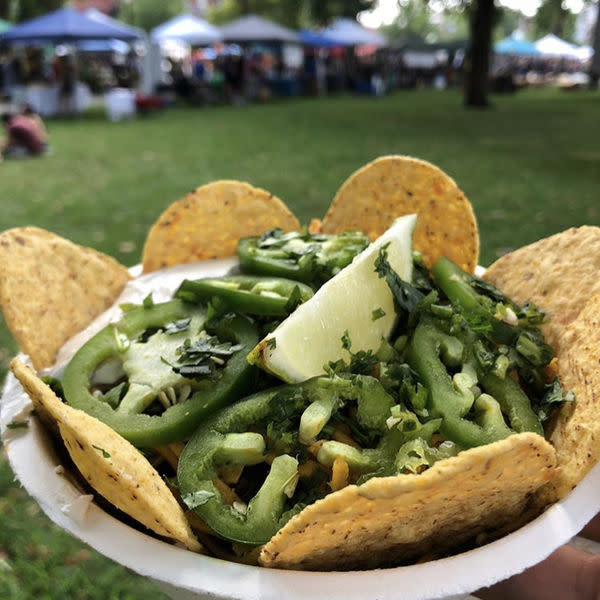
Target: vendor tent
x=252, y=28
x=116, y=46
x=67, y=25
x=584, y=52
x=347, y=32
x=516, y=47
x=100, y=17
x=316, y=39
x=188, y=29
x=551, y=45
x=4, y=25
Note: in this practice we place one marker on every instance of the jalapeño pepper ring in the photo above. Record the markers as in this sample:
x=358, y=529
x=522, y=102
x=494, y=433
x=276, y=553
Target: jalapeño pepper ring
x=310, y=258
x=247, y=294
x=178, y=420
x=229, y=439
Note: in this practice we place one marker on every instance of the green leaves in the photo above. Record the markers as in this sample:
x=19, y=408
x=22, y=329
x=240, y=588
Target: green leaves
x=406, y=296
x=554, y=396
x=202, y=357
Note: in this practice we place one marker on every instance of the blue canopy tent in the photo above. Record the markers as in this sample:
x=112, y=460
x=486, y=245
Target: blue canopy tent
x=316, y=39
x=516, y=47
x=116, y=46
x=67, y=25
x=347, y=32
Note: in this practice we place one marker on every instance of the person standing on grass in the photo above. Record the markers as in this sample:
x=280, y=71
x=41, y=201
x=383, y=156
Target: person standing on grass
x=23, y=137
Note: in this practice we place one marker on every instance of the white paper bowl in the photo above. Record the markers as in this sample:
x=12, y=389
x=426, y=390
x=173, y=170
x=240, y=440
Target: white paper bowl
x=187, y=575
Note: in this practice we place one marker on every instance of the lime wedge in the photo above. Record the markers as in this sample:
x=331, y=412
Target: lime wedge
x=355, y=303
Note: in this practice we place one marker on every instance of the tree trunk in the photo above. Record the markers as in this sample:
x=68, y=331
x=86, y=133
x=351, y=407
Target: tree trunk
x=595, y=64
x=478, y=59
x=5, y=9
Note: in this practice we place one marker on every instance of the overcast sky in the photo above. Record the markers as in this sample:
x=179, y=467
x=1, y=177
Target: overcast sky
x=387, y=10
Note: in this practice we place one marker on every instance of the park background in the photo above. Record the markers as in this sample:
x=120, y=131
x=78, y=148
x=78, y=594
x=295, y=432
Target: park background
x=529, y=164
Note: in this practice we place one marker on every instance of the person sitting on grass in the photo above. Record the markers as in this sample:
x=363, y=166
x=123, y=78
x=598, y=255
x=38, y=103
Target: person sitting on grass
x=30, y=113
x=23, y=137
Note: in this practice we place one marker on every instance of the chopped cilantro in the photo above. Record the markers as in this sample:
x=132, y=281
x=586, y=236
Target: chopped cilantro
x=378, y=313
x=148, y=301
x=294, y=300
x=178, y=326
x=555, y=395
x=346, y=341
x=405, y=295
x=199, y=359
x=18, y=425
x=104, y=453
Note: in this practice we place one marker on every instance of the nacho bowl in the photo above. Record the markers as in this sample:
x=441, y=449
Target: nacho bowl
x=187, y=574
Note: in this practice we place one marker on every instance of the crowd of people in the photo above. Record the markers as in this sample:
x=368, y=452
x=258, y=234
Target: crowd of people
x=234, y=74
x=510, y=72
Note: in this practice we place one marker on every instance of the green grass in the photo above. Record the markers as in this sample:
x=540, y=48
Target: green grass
x=531, y=167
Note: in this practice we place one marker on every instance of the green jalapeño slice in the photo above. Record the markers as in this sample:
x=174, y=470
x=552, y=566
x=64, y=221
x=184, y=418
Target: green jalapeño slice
x=158, y=372
x=310, y=258
x=247, y=294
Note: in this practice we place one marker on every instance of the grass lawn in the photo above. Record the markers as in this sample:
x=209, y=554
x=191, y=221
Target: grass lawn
x=531, y=167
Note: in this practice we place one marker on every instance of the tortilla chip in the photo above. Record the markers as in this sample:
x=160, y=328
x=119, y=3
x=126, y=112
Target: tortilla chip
x=51, y=288
x=392, y=186
x=394, y=520
x=208, y=222
x=559, y=274
x=575, y=433
x=111, y=465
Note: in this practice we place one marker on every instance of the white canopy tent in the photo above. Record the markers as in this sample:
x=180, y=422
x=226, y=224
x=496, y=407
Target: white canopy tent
x=188, y=29
x=584, y=52
x=252, y=28
x=552, y=45
x=347, y=32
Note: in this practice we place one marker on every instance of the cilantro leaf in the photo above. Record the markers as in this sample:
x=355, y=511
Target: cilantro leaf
x=202, y=357
x=378, y=313
x=554, y=396
x=405, y=295
x=102, y=451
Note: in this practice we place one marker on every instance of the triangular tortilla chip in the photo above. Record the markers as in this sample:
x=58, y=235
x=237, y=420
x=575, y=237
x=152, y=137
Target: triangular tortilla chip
x=391, y=520
x=559, y=274
x=111, y=465
x=208, y=222
x=51, y=288
x=575, y=433
x=392, y=186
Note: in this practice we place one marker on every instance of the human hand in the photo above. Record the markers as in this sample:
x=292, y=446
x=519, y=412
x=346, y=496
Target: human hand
x=567, y=574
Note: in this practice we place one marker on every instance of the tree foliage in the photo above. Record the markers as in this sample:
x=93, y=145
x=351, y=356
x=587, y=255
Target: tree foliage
x=148, y=14
x=23, y=10
x=322, y=11
x=553, y=17
x=293, y=13
x=5, y=9
x=290, y=13
x=419, y=20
